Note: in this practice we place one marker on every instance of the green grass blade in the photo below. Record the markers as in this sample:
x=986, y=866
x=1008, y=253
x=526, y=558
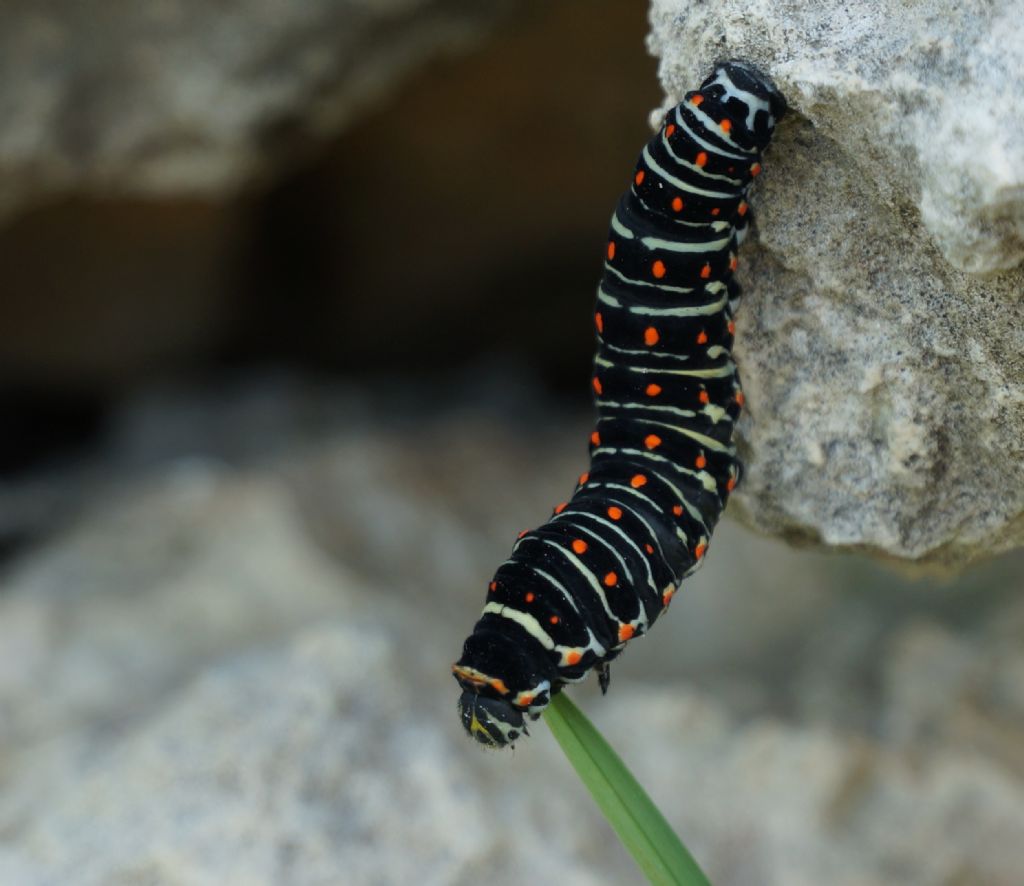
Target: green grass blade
x=635, y=818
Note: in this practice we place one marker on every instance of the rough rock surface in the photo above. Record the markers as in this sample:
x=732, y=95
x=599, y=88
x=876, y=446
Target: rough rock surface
x=225, y=660
x=185, y=97
x=882, y=341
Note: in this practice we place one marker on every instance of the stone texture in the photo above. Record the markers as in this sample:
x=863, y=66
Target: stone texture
x=183, y=97
x=225, y=660
x=881, y=342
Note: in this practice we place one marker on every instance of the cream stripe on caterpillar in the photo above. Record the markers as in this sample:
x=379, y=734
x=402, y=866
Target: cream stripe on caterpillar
x=576, y=515
x=717, y=372
x=680, y=121
x=702, y=310
x=678, y=183
x=651, y=534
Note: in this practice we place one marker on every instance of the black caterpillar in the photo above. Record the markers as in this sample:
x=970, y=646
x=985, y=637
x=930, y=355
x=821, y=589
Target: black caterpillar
x=662, y=462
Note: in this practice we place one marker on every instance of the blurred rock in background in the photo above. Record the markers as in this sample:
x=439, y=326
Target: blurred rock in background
x=231, y=662
x=183, y=98
x=468, y=209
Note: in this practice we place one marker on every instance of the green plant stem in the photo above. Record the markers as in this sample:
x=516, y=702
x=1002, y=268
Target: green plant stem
x=631, y=813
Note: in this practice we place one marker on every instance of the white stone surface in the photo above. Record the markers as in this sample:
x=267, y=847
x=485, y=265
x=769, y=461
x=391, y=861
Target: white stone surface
x=881, y=342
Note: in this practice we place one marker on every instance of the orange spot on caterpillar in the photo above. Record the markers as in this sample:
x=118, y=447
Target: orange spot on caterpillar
x=740, y=399
x=658, y=269
x=700, y=461
x=716, y=211
x=702, y=338
x=668, y=594
x=599, y=321
x=579, y=546
x=742, y=208
x=705, y=272
x=733, y=263
x=611, y=250
x=615, y=512
x=525, y=699
x=639, y=178
x=649, y=548
x=610, y=580
x=573, y=657
x=561, y=507
x=730, y=484
x=597, y=385
x=652, y=390
x=669, y=130
x=651, y=336
x=499, y=686
x=595, y=438
x=521, y=534
x=732, y=327
x=554, y=619
x=702, y=159
x=638, y=481
x=677, y=204
x=699, y=551
x=583, y=478
x=726, y=125
x=626, y=632
x=697, y=100
x=755, y=169
x=704, y=398
x=530, y=596
x=677, y=510
x=493, y=586
x=652, y=441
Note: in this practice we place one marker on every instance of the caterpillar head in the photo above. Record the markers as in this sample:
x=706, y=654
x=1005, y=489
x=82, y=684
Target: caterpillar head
x=493, y=722
x=494, y=709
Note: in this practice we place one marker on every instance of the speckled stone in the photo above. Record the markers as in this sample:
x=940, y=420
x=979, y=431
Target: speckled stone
x=882, y=339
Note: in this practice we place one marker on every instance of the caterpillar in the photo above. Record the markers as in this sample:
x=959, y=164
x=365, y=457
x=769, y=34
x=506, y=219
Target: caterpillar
x=662, y=461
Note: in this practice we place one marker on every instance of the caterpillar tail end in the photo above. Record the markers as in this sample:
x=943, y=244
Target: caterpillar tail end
x=492, y=722
x=756, y=81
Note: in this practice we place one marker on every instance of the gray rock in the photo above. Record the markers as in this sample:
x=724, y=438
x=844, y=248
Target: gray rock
x=809, y=805
x=183, y=97
x=881, y=339
x=230, y=664
x=136, y=596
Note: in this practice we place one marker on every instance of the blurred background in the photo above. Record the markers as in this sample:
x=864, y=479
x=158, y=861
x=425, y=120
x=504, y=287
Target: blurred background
x=294, y=337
